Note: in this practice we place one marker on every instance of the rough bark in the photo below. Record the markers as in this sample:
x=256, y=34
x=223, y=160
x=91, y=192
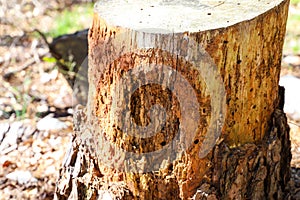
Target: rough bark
x=233, y=143
x=250, y=171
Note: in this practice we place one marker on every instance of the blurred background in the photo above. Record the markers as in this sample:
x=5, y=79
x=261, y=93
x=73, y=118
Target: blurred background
x=36, y=71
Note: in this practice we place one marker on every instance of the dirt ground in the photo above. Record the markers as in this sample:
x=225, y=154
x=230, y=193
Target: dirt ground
x=36, y=101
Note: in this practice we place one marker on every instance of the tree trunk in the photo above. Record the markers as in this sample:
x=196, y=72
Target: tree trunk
x=183, y=103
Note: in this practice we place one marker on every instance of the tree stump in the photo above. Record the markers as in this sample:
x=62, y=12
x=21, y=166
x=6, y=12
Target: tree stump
x=183, y=103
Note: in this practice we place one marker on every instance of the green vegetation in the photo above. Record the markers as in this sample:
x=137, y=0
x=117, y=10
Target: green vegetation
x=72, y=20
x=21, y=98
x=295, y=1
x=292, y=40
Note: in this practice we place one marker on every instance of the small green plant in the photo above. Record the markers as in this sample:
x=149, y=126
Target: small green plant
x=22, y=98
x=66, y=67
x=25, y=100
x=296, y=49
x=72, y=20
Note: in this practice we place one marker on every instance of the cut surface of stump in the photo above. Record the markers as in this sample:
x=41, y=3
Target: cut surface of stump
x=183, y=102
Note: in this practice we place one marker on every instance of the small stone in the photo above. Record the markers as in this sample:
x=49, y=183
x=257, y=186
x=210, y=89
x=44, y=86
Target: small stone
x=292, y=60
x=42, y=108
x=46, y=77
x=11, y=136
x=22, y=177
x=50, y=171
x=49, y=123
x=292, y=96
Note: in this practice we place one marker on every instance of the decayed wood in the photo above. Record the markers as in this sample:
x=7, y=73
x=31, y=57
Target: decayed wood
x=247, y=54
x=251, y=171
x=201, y=44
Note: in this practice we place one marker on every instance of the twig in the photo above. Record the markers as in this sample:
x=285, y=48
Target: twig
x=9, y=149
x=295, y=123
x=32, y=60
x=25, y=66
x=43, y=36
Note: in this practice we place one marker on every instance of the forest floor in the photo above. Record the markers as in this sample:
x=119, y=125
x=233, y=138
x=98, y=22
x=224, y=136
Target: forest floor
x=36, y=107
